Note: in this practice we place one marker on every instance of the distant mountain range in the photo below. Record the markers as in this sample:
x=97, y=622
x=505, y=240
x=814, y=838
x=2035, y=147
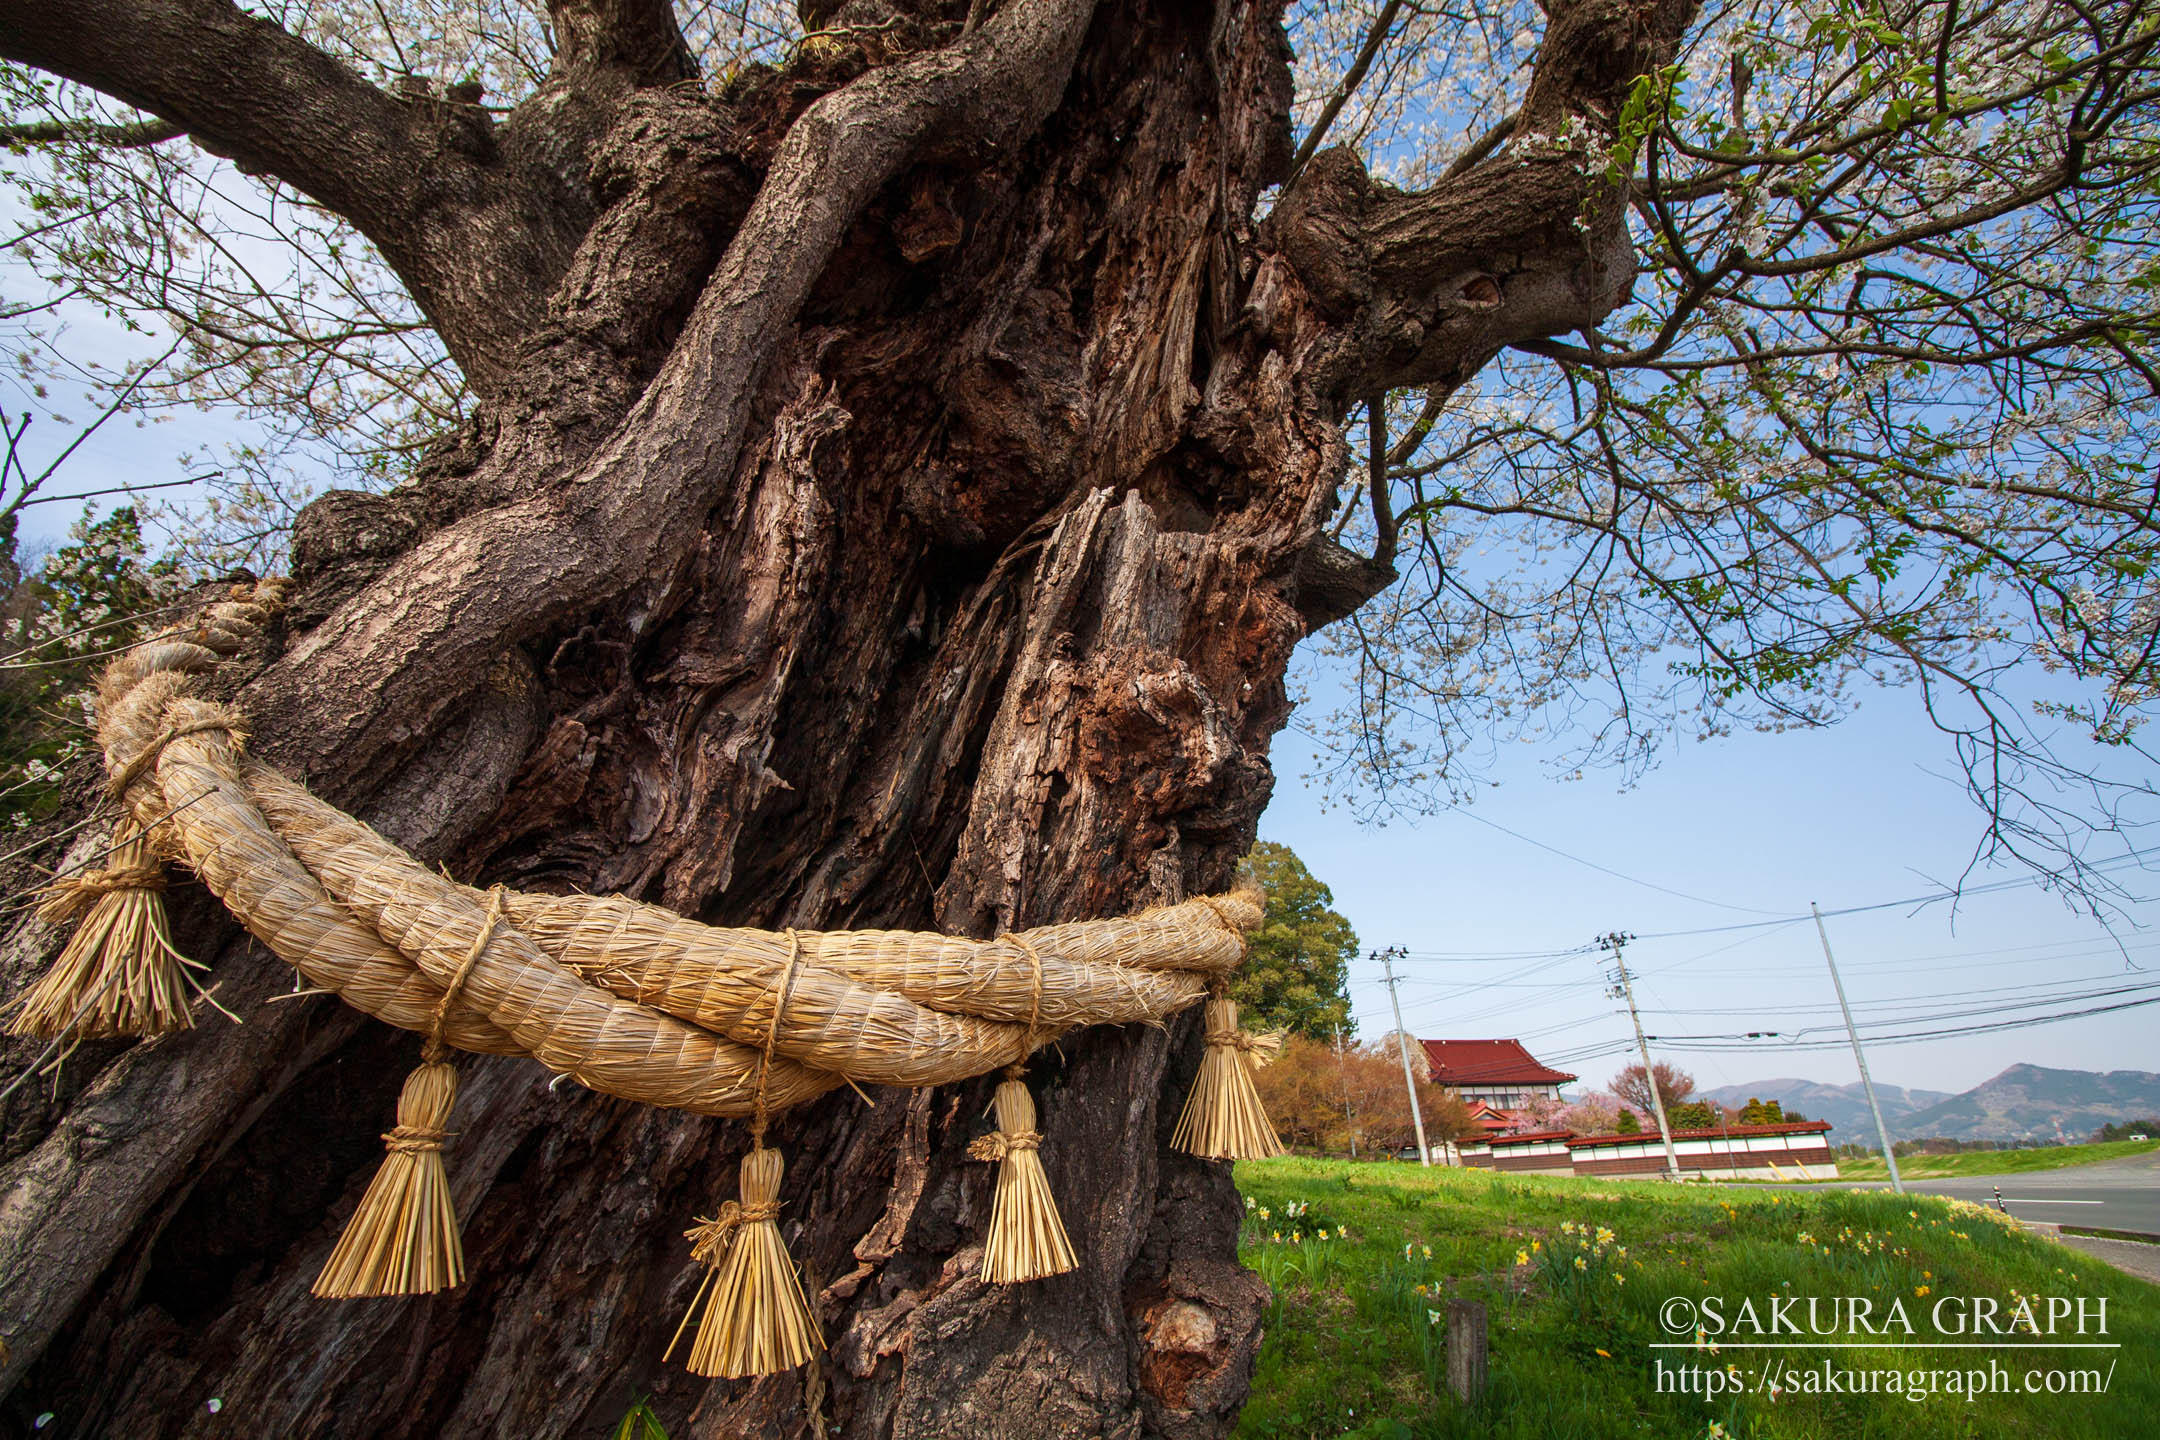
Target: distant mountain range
x=2024, y=1102
x=1844, y=1106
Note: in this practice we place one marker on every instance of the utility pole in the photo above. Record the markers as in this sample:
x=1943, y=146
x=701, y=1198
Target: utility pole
x=1616, y=944
x=1342, y=1075
x=1867, y=1083
x=1402, y=1045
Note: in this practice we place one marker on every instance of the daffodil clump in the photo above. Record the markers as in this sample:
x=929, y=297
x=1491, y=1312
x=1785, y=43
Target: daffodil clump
x=1584, y=1262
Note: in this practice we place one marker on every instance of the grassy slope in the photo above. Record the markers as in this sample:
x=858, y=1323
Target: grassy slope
x=1350, y=1349
x=1993, y=1162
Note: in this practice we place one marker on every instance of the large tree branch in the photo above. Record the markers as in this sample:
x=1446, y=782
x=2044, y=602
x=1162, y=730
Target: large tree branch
x=478, y=236
x=637, y=37
x=128, y=136
x=1528, y=242
x=386, y=667
x=1525, y=243
x=241, y=85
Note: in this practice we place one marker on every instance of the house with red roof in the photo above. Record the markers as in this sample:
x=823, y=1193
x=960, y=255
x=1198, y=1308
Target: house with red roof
x=1491, y=1119
x=1499, y=1072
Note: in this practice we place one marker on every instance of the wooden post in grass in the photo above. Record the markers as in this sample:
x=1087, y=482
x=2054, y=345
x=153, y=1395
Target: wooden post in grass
x=1466, y=1350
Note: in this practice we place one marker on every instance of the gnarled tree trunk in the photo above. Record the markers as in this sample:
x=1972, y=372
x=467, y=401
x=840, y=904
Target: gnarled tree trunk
x=896, y=493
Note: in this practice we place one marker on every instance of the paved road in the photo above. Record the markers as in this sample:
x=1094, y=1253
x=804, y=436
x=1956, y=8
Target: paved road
x=2119, y=1194
x=2142, y=1261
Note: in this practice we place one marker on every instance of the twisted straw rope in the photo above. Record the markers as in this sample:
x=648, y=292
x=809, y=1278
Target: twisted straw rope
x=628, y=999
x=435, y=1049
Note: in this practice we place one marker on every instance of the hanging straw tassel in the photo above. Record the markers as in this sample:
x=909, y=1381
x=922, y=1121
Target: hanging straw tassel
x=119, y=974
x=1027, y=1239
x=403, y=1240
x=1223, y=1117
x=756, y=1320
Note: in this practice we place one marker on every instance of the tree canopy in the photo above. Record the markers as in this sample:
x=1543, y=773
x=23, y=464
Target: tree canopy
x=1632, y=1087
x=1869, y=402
x=1876, y=411
x=1297, y=971
x=1329, y=1098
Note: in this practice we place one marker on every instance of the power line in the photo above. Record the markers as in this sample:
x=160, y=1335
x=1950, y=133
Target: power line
x=1896, y=1002
x=1771, y=1042
x=1745, y=1041
x=2130, y=859
x=1998, y=1007
x=1472, y=987
x=1468, y=813
x=1477, y=957
x=1878, y=1013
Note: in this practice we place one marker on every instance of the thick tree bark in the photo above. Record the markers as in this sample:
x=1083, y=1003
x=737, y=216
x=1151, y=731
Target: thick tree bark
x=900, y=511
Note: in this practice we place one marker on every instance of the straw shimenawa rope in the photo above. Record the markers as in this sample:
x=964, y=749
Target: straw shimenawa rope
x=625, y=998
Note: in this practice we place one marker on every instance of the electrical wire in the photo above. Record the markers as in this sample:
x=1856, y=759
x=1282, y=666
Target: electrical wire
x=1714, y=1044
x=1470, y=814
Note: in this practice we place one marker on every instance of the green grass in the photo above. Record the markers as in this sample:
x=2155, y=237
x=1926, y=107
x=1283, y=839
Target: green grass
x=1351, y=1347
x=1993, y=1162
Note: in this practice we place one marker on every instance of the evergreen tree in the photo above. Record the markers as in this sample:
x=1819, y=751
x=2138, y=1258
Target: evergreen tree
x=1693, y=1115
x=1295, y=976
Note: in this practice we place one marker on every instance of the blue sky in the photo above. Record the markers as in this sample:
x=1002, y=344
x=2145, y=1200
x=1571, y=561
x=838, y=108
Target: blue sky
x=125, y=450
x=1855, y=814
